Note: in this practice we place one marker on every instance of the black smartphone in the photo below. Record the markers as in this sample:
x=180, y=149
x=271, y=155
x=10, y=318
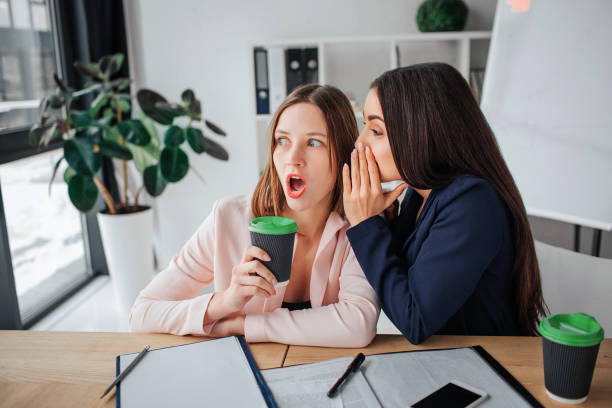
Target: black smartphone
x=452, y=395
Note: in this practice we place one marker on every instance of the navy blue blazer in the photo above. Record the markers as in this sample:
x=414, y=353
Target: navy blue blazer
x=447, y=272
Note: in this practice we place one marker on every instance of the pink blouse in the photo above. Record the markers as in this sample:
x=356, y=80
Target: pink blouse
x=344, y=306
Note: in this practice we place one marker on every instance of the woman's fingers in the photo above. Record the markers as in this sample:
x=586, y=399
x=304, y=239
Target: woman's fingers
x=392, y=195
x=363, y=170
x=355, y=179
x=259, y=282
x=254, y=252
x=373, y=171
x=257, y=268
x=346, y=181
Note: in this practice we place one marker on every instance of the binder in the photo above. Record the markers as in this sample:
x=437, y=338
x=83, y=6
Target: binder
x=295, y=68
x=262, y=91
x=276, y=71
x=311, y=66
x=208, y=372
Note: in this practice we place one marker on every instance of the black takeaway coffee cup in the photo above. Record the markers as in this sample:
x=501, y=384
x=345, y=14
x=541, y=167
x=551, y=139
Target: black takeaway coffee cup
x=570, y=343
x=276, y=236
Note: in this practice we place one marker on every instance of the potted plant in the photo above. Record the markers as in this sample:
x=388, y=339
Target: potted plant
x=105, y=129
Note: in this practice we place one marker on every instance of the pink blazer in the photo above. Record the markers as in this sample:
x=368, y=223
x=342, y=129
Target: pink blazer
x=344, y=305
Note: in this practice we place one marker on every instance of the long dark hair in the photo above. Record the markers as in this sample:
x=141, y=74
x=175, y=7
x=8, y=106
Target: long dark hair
x=268, y=198
x=437, y=132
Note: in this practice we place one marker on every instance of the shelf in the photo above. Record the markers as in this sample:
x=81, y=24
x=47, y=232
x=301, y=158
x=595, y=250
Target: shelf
x=437, y=36
x=263, y=118
x=350, y=63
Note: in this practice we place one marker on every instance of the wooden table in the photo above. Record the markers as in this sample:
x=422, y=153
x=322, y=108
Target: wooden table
x=71, y=369
x=521, y=356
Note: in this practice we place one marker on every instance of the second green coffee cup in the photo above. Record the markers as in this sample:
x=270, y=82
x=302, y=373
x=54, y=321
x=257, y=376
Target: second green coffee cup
x=570, y=343
x=276, y=236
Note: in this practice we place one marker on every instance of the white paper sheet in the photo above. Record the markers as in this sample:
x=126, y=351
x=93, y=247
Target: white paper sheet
x=212, y=373
x=295, y=387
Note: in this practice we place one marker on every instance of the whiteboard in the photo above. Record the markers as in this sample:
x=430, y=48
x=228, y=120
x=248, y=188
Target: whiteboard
x=547, y=95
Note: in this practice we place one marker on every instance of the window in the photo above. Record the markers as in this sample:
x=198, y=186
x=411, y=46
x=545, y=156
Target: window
x=44, y=232
x=27, y=60
x=45, y=243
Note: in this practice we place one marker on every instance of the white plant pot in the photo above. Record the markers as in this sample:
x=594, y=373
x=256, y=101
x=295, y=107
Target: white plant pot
x=128, y=247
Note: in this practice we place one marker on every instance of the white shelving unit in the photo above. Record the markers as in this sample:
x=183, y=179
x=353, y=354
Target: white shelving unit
x=351, y=63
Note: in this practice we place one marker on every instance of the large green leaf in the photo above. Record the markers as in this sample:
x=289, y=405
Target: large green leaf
x=149, y=124
x=80, y=119
x=134, y=132
x=121, y=103
x=144, y=156
x=192, y=103
x=112, y=149
x=105, y=66
x=140, y=135
x=153, y=180
x=147, y=100
x=174, y=136
x=214, y=128
x=82, y=191
x=196, y=140
x=215, y=150
x=111, y=134
x=174, y=164
x=91, y=69
x=98, y=103
x=87, y=90
x=79, y=154
x=171, y=109
x=116, y=63
x=68, y=173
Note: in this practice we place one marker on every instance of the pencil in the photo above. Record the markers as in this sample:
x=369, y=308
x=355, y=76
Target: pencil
x=129, y=368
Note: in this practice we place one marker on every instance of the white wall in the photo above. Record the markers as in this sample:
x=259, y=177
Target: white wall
x=205, y=45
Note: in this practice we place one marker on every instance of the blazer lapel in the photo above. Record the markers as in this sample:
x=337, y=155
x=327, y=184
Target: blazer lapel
x=324, y=258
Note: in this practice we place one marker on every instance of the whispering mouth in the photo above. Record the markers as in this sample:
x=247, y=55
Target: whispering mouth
x=296, y=185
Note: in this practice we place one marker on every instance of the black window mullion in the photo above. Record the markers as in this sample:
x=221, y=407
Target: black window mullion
x=10, y=319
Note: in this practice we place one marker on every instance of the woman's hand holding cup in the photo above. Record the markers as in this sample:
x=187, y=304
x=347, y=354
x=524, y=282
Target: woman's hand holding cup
x=249, y=278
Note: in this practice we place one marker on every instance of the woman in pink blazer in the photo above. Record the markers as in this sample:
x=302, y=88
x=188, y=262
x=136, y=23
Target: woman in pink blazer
x=328, y=301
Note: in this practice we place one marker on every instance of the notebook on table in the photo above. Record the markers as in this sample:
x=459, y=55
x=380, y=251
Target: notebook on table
x=211, y=373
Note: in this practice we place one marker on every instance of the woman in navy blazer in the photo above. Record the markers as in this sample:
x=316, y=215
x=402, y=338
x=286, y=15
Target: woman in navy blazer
x=459, y=258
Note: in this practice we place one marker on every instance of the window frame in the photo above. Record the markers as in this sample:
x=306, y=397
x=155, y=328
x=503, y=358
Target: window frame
x=15, y=145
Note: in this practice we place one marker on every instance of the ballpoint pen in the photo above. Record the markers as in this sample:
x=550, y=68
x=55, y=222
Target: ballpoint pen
x=129, y=368
x=354, y=366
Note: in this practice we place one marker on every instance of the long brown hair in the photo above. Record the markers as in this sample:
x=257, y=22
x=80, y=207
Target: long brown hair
x=437, y=132
x=269, y=198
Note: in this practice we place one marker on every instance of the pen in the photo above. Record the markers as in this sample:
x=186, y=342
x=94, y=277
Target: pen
x=354, y=366
x=129, y=368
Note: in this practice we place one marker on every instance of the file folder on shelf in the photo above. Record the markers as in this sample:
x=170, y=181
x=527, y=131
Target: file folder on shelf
x=262, y=91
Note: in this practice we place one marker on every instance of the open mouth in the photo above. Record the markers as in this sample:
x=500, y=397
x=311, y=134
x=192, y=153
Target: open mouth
x=296, y=185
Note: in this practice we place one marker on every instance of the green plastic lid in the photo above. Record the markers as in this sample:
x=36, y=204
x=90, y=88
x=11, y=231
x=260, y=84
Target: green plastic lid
x=577, y=329
x=273, y=225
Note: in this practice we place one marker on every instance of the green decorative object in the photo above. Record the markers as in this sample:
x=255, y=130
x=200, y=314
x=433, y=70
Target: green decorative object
x=103, y=128
x=442, y=15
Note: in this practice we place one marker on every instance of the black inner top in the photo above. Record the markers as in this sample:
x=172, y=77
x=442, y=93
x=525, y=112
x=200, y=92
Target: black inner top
x=297, y=305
